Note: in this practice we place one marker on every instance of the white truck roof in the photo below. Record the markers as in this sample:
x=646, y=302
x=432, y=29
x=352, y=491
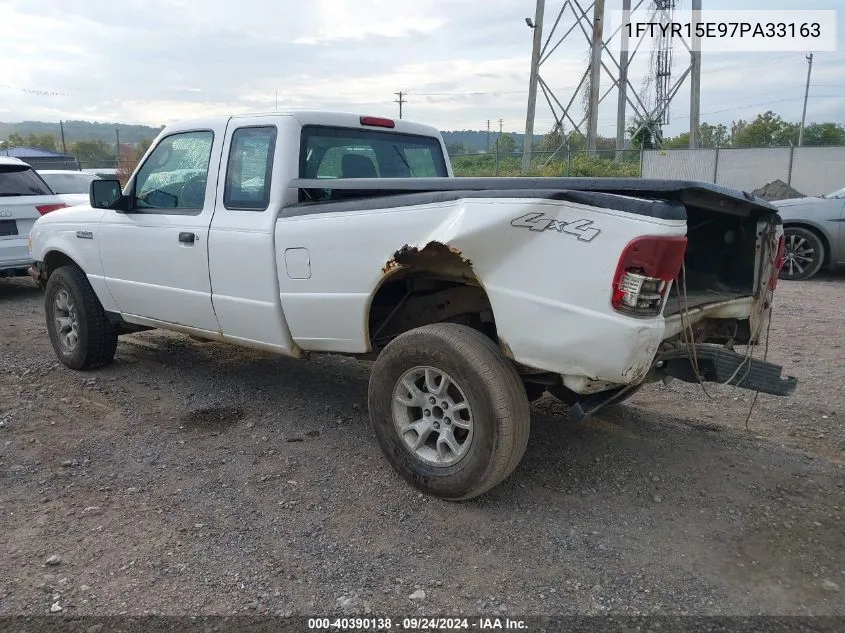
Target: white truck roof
x=317, y=117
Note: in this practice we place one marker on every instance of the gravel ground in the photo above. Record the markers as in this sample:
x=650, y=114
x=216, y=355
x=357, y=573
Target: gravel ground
x=197, y=478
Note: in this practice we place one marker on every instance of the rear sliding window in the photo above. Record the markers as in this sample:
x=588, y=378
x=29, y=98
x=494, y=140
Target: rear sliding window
x=330, y=152
x=18, y=180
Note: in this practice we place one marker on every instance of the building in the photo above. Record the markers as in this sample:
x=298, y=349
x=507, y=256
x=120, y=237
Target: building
x=41, y=158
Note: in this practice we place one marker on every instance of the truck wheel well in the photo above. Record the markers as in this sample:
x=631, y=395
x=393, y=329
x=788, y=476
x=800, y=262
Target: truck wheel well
x=424, y=286
x=54, y=260
x=817, y=233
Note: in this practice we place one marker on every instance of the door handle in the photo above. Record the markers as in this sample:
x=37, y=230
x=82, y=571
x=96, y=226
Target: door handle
x=187, y=238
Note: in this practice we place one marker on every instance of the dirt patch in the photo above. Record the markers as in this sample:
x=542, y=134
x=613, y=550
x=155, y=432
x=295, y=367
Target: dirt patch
x=666, y=505
x=777, y=190
x=213, y=417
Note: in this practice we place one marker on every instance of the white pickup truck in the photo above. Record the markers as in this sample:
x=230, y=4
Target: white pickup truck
x=311, y=232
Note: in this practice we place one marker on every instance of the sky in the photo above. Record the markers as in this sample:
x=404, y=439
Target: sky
x=460, y=63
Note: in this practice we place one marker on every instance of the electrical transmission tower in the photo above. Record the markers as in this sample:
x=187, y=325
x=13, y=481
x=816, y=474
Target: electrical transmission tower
x=580, y=18
x=663, y=58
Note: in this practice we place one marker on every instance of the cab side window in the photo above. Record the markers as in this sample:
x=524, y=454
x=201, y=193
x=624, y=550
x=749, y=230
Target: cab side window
x=250, y=168
x=174, y=176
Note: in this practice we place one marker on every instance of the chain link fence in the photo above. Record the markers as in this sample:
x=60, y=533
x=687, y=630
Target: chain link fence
x=810, y=170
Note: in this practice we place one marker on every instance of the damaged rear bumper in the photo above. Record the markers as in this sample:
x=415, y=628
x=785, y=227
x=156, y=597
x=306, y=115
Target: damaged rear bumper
x=714, y=364
x=719, y=364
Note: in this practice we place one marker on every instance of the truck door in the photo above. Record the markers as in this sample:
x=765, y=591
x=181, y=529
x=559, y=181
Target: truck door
x=155, y=254
x=257, y=164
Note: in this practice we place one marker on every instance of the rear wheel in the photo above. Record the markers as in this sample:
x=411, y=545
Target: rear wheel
x=804, y=254
x=449, y=411
x=81, y=335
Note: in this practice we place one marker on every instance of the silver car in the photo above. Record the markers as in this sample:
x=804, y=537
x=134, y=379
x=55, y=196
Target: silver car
x=815, y=234
x=71, y=186
x=24, y=197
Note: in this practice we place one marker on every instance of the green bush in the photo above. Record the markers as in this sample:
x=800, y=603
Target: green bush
x=581, y=165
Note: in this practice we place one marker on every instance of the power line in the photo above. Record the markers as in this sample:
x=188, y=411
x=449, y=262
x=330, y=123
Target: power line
x=469, y=94
x=757, y=105
x=401, y=100
x=760, y=94
x=48, y=93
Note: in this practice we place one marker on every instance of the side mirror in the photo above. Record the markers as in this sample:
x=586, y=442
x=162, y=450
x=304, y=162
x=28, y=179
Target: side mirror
x=104, y=194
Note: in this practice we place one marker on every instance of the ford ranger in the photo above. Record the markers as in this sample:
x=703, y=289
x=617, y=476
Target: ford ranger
x=305, y=233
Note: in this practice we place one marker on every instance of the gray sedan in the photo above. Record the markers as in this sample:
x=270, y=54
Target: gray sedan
x=815, y=234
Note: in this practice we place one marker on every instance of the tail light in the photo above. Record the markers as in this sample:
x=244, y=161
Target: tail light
x=780, y=260
x=645, y=271
x=44, y=209
x=376, y=121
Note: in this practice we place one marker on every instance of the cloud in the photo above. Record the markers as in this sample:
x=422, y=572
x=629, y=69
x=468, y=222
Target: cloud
x=459, y=62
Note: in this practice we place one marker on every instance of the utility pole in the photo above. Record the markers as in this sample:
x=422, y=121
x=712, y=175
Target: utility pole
x=695, y=81
x=277, y=100
x=62, y=130
x=488, y=135
x=806, y=96
x=500, y=127
x=622, y=101
x=117, y=140
x=532, y=84
x=401, y=100
x=595, y=75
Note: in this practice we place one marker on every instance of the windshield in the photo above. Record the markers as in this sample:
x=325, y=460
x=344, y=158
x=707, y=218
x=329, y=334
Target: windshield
x=330, y=152
x=839, y=193
x=18, y=180
x=69, y=183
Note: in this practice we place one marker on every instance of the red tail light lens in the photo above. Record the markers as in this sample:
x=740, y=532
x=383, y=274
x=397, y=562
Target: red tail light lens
x=44, y=209
x=375, y=121
x=780, y=260
x=646, y=268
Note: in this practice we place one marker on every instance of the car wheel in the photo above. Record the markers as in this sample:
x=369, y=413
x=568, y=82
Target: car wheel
x=803, y=252
x=449, y=411
x=81, y=335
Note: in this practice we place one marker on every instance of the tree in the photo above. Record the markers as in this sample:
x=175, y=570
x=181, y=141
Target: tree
x=143, y=146
x=818, y=134
x=677, y=142
x=93, y=153
x=766, y=130
x=507, y=144
x=456, y=149
x=35, y=141
x=554, y=140
x=713, y=135
x=644, y=132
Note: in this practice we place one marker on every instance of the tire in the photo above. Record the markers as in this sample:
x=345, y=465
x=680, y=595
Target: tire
x=804, y=252
x=70, y=302
x=485, y=392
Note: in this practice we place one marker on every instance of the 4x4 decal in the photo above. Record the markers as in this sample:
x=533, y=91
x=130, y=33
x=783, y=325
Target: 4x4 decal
x=582, y=229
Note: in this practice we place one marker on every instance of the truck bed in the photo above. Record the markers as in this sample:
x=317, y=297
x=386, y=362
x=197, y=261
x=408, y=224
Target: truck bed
x=698, y=298
x=692, y=194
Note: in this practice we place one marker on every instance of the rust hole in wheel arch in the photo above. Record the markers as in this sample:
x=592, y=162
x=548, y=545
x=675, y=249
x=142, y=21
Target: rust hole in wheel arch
x=434, y=254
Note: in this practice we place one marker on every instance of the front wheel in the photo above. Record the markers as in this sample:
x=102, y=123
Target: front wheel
x=80, y=333
x=803, y=252
x=449, y=411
